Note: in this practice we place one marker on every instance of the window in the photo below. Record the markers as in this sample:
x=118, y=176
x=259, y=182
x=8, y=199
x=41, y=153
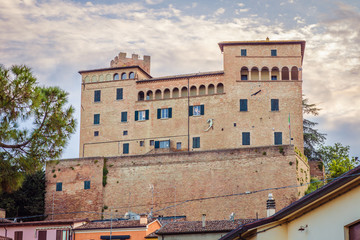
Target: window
x=96, y=133
x=119, y=93
x=142, y=143
x=125, y=148
x=97, y=118
x=86, y=184
x=18, y=235
x=354, y=231
x=245, y=138
x=123, y=76
x=116, y=76
x=196, y=110
x=178, y=145
x=273, y=52
x=196, y=142
x=62, y=235
x=274, y=105
x=131, y=75
x=97, y=95
x=42, y=235
x=244, y=77
x=162, y=144
x=243, y=52
x=152, y=142
x=125, y=132
x=273, y=77
x=277, y=138
x=123, y=116
x=243, y=105
x=142, y=115
x=163, y=113
x=59, y=186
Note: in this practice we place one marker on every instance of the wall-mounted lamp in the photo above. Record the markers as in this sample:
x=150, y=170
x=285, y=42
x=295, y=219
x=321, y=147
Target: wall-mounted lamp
x=302, y=228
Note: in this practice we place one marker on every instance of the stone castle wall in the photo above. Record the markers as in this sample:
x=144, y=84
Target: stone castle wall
x=215, y=183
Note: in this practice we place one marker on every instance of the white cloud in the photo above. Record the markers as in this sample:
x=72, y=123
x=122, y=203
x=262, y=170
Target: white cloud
x=299, y=20
x=241, y=4
x=219, y=11
x=153, y=2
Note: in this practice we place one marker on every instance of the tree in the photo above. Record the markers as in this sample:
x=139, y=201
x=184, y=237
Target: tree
x=337, y=159
x=29, y=200
x=35, y=125
x=312, y=138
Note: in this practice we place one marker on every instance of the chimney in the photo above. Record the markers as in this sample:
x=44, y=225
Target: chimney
x=204, y=220
x=2, y=213
x=143, y=219
x=270, y=205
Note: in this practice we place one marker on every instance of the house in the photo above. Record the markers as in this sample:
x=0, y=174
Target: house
x=117, y=229
x=331, y=212
x=40, y=230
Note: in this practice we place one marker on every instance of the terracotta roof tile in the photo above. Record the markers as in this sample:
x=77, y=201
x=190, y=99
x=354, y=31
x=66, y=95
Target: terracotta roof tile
x=114, y=224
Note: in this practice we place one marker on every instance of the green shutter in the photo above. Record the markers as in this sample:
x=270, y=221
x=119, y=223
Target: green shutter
x=146, y=114
x=157, y=144
x=170, y=112
x=243, y=105
x=125, y=148
x=136, y=115
x=245, y=138
x=124, y=117
x=278, y=138
x=158, y=113
x=191, y=110
x=202, y=109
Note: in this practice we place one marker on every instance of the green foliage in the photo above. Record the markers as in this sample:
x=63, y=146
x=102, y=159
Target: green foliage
x=35, y=125
x=337, y=159
x=314, y=184
x=28, y=200
x=105, y=172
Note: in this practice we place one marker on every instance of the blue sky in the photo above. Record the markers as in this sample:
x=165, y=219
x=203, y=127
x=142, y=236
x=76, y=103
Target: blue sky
x=59, y=38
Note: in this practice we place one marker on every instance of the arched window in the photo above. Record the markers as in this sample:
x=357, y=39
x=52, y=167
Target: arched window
x=123, y=76
x=101, y=78
x=184, y=92
x=131, y=75
x=158, y=94
x=211, y=89
x=141, y=96
x=244, y=73
x=116, y=76
x=175, y=93
x=193, y=91
x=275, y=74
x=254, y=73
x=108, y=77
x=220, y=88
x=285, y=73
x=167, y=93
x=265, y=74
x=202, y=90
x=87, y=79
x=149, y=95
x=294, y=73
x=94, y=78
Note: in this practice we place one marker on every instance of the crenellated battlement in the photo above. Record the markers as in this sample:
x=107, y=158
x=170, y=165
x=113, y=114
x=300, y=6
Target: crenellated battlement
x=122, y=61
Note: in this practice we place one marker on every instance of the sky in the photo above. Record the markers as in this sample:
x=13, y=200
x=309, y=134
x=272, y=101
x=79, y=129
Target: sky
x=57, y=38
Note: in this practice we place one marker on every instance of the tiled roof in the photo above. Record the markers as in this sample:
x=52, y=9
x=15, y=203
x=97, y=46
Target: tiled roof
x=199, y=74
x=40, y=223
x=196, y=226
x=5, y=238
x=151, y=235
x=113, y=224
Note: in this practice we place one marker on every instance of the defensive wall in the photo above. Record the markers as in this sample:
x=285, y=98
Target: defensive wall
x=214, y=182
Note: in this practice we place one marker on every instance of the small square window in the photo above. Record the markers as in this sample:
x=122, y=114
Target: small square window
x=152, y=142
x=142, y=143
x=196, y=110
x=244, y=77
x=96, y=119
x=142, y=115
x=125, y=132
x=59, y=186
x=196, y=142
x=97, y=95
x=274, y=77
x=178, y=145
x=243, y=52
x=86, y=184
x=273, y=52
x=96, y=133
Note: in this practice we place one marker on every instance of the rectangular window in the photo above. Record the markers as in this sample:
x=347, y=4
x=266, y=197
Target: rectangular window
x=273, y=52
x=243, y=52
x=42, y=235
x=243, y=105
x=125, y=132
x=196, y=142
x=274, y=77
x=59, y=186
x=97, y=95
x=96, y=133
x=86, y=184
x=354, y=231
x=196, y=110
x=274, y=105
x=162, y=144
x=62, y=235
x=142, y=143
x=123, y=116
x=18, y=235
x=97, y=118
x=142, y=115
x=119, y=93
x=152, y=142
x=178, y=145
x=245, y=138
x=244, y=77
x=277, y=138
x=164, y=113
x=125, y=148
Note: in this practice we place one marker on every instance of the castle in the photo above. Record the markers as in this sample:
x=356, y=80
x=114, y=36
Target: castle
x=150, y=143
